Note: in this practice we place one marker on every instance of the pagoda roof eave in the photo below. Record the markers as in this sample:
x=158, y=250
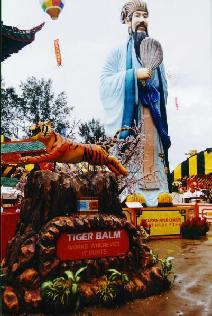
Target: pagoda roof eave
x=14, y=39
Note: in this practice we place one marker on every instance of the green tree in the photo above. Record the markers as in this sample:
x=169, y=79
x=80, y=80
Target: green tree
x=92, y=131
x=9, y=111
x=35, y=102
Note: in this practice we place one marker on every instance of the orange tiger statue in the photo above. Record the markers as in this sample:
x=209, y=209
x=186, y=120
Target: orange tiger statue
x=61, y=149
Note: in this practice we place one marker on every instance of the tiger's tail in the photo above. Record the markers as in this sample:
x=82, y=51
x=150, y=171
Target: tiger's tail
x=115, y=138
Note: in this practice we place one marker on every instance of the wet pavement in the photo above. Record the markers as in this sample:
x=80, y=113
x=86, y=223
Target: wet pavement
x=191, y=294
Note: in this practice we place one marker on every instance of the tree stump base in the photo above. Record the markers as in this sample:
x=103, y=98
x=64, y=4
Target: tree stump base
x=49, y=209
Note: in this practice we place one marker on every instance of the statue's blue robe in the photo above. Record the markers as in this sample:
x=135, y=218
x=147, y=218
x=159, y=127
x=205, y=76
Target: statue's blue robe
x=113, y=93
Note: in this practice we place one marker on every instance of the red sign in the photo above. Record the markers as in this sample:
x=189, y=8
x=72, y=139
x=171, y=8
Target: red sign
x=92, y=244
x=9, y=221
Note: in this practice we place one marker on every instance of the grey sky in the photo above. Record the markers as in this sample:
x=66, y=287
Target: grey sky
x=88, y=30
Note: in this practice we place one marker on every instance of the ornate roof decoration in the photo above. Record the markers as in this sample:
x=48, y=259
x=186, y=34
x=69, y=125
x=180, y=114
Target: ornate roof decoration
x=14, y=39
x=22, y=147
x=9, y=182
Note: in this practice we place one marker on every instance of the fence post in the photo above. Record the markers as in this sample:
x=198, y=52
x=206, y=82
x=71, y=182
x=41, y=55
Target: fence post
x=196, y=209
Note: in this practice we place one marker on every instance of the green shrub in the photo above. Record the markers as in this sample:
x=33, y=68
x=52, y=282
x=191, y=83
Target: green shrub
x=63, y=293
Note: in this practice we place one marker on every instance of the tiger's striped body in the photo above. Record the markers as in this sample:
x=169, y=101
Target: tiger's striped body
x=61, y=149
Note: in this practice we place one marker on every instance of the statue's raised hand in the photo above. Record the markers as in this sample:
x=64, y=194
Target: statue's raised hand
x=144, y=73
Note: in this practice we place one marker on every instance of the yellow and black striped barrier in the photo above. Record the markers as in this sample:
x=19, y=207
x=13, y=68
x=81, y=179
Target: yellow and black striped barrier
x=199, y=164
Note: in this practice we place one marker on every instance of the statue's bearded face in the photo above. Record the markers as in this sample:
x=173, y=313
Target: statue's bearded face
x=139, y=22
x=139, y=25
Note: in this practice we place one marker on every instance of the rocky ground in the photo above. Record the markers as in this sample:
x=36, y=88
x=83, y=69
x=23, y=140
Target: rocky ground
x=191, y=294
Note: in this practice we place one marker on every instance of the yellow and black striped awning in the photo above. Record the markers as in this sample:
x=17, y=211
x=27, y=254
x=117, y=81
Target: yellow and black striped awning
x=199, y=164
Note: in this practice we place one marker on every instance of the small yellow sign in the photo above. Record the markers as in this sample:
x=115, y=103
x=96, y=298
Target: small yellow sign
x=29, y=167
x=162, y=222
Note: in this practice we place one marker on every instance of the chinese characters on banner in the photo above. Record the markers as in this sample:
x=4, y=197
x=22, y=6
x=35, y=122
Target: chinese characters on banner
x=57, y=52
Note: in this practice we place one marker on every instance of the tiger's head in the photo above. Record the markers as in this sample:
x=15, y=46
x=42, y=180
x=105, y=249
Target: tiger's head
x=41, y=130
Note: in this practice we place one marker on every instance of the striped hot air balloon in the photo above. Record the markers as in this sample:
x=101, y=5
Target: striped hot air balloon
x=52, y=7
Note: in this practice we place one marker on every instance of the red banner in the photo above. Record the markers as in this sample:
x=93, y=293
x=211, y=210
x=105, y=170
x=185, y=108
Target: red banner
x=57, y=52
x=10, y=158
x=92, y=244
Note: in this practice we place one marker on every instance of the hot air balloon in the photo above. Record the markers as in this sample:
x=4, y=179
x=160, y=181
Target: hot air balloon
x=52, y=7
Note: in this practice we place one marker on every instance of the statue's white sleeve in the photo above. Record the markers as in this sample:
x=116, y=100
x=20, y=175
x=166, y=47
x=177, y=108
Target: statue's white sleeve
x=112, y=90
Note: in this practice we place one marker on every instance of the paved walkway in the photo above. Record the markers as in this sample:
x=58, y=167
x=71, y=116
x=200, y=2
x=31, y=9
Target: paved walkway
x=191, y=294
